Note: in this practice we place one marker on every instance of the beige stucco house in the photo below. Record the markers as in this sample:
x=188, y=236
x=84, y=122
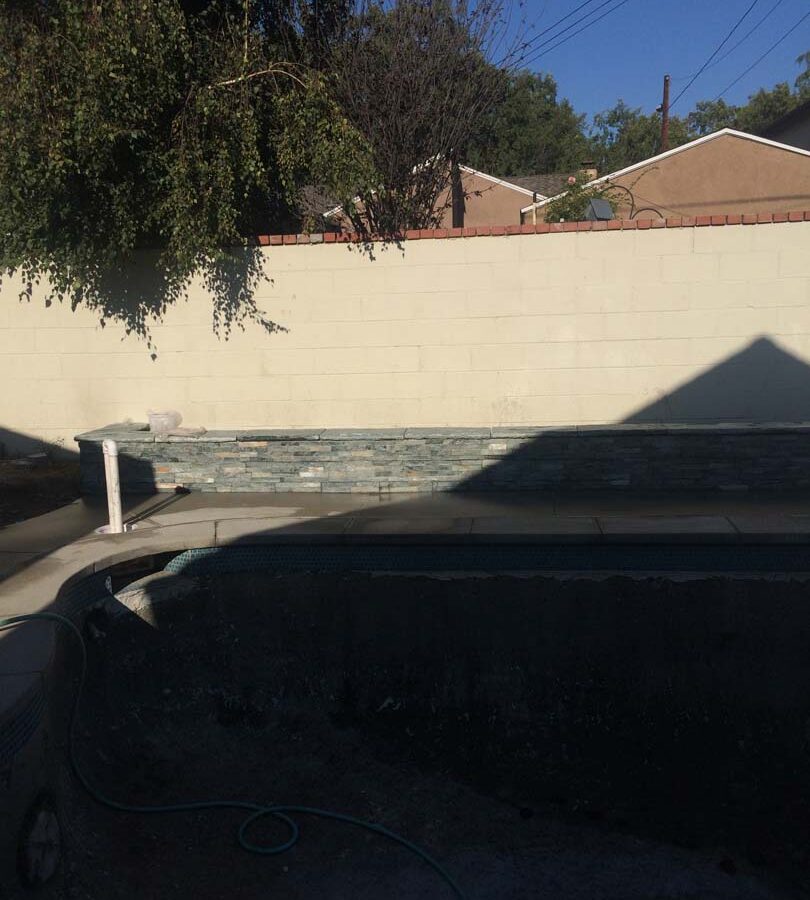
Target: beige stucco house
x=485, y=199
x=494, y=201
x=724, y=172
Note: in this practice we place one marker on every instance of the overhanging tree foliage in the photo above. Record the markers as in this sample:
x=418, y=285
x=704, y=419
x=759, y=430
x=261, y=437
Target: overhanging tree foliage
x=152, y=123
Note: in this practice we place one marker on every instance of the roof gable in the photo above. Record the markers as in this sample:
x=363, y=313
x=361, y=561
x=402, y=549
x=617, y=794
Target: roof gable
x=521, y=185
x=730, y=132
x=510, y=185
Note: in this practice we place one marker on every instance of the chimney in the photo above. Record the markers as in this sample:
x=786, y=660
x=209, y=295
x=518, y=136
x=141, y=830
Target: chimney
x=588, y=168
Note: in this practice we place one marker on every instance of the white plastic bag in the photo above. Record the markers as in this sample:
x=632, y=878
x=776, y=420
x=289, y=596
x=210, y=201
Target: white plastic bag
x=163, y=421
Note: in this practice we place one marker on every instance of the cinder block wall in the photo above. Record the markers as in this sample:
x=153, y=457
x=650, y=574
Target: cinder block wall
x=660, y=324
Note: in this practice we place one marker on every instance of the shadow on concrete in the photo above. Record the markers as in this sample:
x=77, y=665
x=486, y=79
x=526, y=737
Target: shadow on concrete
x=41, y=509
x=35, y=538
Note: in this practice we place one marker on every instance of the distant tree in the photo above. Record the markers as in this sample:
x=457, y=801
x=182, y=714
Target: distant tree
x=529, y=130
x=765, y=107
x=622, y=136
x=802, y=83
x=711, y=115
x=414, y=79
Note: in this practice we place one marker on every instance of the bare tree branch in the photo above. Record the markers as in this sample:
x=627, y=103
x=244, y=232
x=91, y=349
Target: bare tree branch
x=271, y=70
x=414, y=77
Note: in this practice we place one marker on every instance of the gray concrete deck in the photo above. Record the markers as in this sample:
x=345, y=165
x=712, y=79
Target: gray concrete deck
x=190, y=520
x=41, y=555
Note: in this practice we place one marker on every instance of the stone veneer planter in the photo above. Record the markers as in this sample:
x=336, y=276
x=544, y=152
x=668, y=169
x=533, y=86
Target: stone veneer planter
x=609, y=457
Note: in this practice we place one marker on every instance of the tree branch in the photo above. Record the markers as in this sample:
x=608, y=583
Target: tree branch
x=271, y=70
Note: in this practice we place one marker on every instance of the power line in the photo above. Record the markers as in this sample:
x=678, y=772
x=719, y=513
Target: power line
x=770, y=49
x=741, y=41
x=550, y=40
x=543, y=49
x=560, y=21
x=714, y=53
x=748, y=34
x=554, y=25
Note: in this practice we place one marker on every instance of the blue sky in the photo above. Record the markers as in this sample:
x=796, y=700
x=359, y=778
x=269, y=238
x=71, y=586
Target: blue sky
x=627, y=54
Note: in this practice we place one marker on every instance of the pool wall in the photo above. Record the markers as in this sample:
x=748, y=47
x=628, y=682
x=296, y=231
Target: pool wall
x=680, y=707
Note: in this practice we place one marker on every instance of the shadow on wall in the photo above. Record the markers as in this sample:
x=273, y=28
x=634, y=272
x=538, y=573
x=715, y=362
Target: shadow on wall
x=137, y=296
x=138, y=475
x=761, y=383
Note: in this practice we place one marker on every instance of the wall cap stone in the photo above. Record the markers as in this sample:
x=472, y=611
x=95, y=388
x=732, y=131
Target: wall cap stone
x=448, y=432
x=279, y=434
x=362, y=434
x=138, y=433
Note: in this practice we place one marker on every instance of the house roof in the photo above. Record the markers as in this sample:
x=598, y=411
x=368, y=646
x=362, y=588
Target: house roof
x=523, y=184
x=797, y=114
x=682, y=149
x=312, y=201
x=547, y=185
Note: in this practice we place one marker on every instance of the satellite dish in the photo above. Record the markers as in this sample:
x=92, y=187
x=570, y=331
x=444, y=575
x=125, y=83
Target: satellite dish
x=599, y=211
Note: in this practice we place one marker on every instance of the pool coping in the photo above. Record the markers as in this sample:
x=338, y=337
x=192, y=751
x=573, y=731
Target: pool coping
x=36, y=575
x=41, y=557
x=43, y=575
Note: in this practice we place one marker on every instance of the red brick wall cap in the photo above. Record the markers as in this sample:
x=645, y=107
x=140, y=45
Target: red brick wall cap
x=329, y=237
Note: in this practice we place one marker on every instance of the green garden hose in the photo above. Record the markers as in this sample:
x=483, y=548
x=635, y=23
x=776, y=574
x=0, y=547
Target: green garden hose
x=282, y=813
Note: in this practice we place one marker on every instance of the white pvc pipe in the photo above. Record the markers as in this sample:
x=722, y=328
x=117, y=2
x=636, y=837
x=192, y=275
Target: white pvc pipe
x=110, y=449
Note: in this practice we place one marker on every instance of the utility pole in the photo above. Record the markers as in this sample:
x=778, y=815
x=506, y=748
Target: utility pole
x=665, y=117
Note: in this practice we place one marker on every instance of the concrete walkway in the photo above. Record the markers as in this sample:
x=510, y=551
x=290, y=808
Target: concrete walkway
x=43, y=555
x=209, y=519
